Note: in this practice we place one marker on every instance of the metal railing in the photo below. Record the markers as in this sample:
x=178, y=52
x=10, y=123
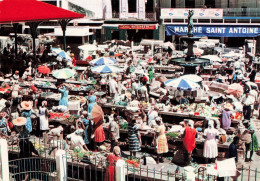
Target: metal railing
x=93, y=166
x=241, y=12
x=148, y=16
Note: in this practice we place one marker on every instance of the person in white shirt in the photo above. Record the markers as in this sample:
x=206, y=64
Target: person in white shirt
x=134, y=102
x=26, y=74
x=135, y=87
x=152, y=115
x=247, y=101
x=254, y=95
x=113, y=87
x=144, y=92
x=237, y=65
x=114, y=131
x=76, y=140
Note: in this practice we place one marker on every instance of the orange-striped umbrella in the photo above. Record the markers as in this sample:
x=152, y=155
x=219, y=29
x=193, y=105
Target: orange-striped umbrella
x=97, y=115
x=235, y=90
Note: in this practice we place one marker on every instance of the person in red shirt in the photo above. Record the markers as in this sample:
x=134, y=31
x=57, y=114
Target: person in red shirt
x=73, y=59
x=189, y=141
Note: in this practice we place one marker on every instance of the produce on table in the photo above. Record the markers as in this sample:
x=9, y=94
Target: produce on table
x=123, y=125
x=58, y=115
x=172, y=135
x=134, y=162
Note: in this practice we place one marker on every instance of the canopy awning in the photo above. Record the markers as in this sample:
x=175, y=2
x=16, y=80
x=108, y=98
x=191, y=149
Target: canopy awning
x=71, y=31
x=15, y=11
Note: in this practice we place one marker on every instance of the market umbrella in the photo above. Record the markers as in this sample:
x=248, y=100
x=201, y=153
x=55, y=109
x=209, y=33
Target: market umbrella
x=106, y=69
x=97, y=115
x=181, y=84
x=197, y=51
x=63, y=73
x=33, y=11
x=103, y=61
x=235, y=90
x=61, y=53
x=44, y=69
x=191, y=77
x=213, y=58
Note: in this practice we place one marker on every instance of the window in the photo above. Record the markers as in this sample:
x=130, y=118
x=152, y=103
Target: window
x=210, y=3
x=189, y=3
x=115, y=6
x=132, y=6
x=173, y=3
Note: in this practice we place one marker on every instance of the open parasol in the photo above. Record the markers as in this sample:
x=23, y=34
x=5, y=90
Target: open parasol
x=97, y=115
x=235, y=90
x=44, y=69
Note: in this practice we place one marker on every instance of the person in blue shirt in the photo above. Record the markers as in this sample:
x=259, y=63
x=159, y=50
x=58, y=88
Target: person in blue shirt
x=87, y=125
x=64, y=95
x=92, y=102
x=234, y=79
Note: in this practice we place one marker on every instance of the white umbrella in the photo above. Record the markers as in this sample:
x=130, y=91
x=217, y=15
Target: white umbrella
x=197, y=51
x=103, y=61
x=213, y=58
x=182, y=84
x=63, y=73
x=191, y=77
x=106, y=69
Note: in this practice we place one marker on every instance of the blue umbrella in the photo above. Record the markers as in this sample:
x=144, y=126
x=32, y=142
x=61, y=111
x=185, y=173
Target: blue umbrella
x=181, y=84
x=103, y=61
x=62, y=54
x=106, y=69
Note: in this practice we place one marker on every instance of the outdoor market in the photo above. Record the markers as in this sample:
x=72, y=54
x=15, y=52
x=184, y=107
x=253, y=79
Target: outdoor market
x=162, y=112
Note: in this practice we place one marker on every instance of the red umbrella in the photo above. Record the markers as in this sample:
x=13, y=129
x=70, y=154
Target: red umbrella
x=44, y=69
x=15, y=11
x=235, y=90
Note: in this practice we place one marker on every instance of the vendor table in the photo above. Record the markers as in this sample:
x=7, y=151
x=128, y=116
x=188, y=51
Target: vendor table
x=168, y=117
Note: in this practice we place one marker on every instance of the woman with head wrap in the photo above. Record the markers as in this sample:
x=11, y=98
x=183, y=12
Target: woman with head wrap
x=133, y=137
x=253, y=146
x=92, y=102
x=111, y=160
x=162, y=145
x=189, y=141
x=210, y=145
x=43, y=117
x=64, y=95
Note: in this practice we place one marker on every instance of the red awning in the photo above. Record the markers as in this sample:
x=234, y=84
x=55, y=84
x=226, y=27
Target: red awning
x=15, y=11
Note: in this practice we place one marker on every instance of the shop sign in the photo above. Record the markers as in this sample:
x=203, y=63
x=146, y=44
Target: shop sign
x=180, y=13
x=214, y=31
x=137, y=27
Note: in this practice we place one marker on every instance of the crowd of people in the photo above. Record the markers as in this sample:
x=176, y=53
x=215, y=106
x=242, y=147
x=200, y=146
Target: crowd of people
x=19, y=105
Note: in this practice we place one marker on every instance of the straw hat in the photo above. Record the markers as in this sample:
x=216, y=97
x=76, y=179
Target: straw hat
x=19, y=121
x=228, y=106
x=26, y=105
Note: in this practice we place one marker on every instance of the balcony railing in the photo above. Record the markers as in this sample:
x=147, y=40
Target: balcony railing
x=149, y=16
x=240, y=12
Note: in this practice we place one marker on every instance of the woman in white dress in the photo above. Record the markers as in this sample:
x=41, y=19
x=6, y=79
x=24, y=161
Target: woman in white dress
x=211, y=144
x=43, y=117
